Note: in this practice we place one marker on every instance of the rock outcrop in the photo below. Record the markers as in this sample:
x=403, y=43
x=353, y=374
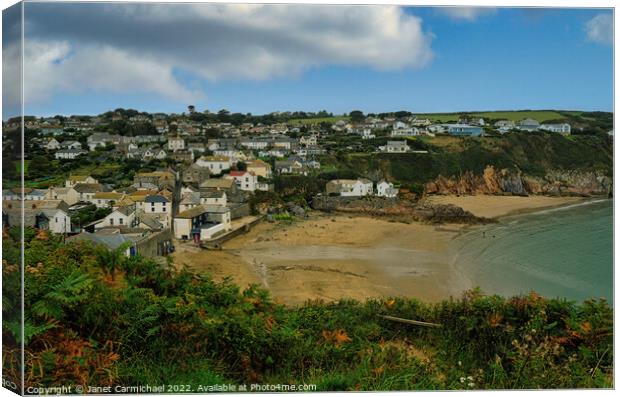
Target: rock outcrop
x=396, y=209
x=514, y=182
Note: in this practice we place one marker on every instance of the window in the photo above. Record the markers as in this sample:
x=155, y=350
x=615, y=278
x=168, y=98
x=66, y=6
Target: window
x=153, y=209
x=111, y=221
x=120, y=221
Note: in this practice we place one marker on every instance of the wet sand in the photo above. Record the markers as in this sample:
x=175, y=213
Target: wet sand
x=333, y=257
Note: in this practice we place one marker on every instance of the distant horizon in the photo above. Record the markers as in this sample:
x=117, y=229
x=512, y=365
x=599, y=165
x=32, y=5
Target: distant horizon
x=317, y=111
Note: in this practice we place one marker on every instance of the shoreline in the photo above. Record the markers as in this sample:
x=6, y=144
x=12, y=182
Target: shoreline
x=340, y=256
x=498, y=207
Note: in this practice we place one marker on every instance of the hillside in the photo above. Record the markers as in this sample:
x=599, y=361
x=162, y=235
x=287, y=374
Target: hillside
x=542, y=116
x=534, y=155
x=95, y=317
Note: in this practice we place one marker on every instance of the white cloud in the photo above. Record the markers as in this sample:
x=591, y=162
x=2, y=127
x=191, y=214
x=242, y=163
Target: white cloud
x=600, y=29
x=57, y=67
x=135, y=47
x=469, y=14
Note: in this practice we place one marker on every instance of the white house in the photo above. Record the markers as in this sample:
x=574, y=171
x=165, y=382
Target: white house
x=349, y=187
x=71, y=145
x=397, y=147
x=386, y=189
x=202, y=222
x=365, y=133
x=156, y=204
x=160, y=206
x=255, y=144
x=106, y=199
x=58, y=220
x=122, y=216
x=529, y=125
x=310, y=140
x=50, y=215
x=189, y=200
x=215, y=164
x=504, y=125
x=213, y=197
x=243, y=179
x=563, y=128
x=52, y=144
x=69, y=154
x=176, y=143
x=403, y=130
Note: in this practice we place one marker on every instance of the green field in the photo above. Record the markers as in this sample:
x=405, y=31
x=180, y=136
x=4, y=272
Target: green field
x=538, y=115
x=317, y=120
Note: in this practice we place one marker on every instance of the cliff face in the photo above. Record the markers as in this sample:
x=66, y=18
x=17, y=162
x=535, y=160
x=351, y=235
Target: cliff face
x=505, y=181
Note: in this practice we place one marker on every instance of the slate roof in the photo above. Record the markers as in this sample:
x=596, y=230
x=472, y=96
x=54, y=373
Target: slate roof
x=155, y=199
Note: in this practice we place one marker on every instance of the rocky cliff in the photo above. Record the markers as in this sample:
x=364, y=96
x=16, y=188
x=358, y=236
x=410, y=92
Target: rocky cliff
x=513, y=182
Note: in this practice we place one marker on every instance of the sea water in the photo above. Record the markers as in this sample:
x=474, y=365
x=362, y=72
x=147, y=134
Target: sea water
x=564, y=252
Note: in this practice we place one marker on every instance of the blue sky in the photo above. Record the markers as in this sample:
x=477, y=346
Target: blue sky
x=375, y=59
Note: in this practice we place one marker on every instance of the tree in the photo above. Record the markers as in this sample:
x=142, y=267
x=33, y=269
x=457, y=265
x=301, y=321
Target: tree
x=241, y=166
x=223, y=116
x=356, y=116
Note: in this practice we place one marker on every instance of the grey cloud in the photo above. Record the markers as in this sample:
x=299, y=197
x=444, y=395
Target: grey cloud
x=231, y=41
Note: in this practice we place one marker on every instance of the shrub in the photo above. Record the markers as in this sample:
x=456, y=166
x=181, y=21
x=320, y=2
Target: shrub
x=97, y=317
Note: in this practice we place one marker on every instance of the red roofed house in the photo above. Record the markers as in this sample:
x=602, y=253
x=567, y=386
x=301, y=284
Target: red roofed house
x=244, y=180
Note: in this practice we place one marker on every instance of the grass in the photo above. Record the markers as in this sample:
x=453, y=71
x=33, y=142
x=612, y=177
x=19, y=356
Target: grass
x=538, y=115
x=318, y=120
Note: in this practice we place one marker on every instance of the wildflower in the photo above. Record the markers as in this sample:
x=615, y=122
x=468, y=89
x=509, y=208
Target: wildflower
x=470, y=378
x=533, y=330
x=471, y=384
x=462, y=379
x=460, y=363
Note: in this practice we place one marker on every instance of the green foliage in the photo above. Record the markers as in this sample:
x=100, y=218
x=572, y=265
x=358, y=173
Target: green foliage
x=533, y=153
x=357, y=116
x=95, y=317
x=88, y=214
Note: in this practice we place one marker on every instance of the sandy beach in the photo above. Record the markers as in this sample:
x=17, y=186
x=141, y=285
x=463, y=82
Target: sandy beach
x=332, y=257
x=498, y=206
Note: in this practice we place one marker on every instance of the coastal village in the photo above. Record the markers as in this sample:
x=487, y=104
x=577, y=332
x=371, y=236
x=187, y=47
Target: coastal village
x=212, y=171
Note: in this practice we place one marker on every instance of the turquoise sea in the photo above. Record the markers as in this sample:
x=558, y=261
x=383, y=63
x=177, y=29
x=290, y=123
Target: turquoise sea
x=563, y=252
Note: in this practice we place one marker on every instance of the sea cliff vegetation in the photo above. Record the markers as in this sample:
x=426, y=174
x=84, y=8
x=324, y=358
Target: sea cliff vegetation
x=515, y=163
x=95, y=317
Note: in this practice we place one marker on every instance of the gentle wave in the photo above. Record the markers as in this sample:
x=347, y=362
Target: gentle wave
x=567, y=207
x=559, y=252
